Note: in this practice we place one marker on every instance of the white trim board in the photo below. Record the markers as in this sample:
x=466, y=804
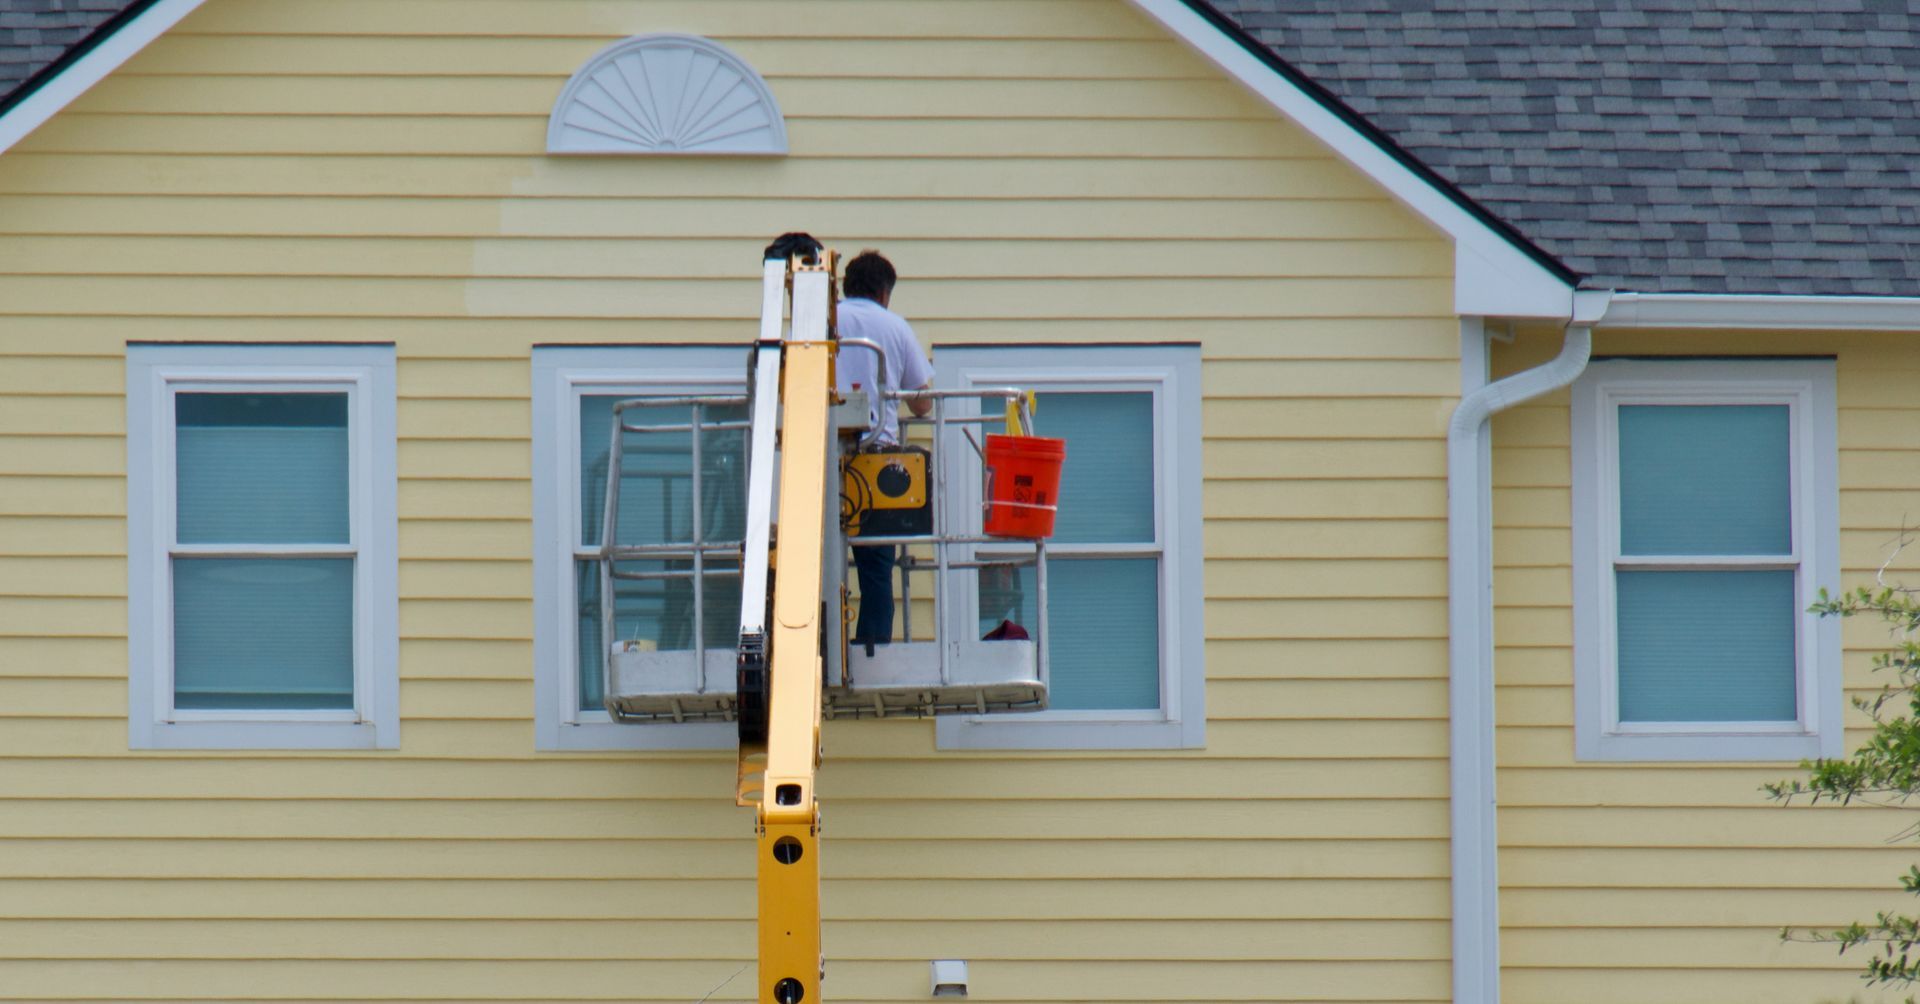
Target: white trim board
x=1807, y=386
x=1758, y=312
x=1172, y=374
x=560, y=375
x=105, y=58
x=154, y=372
x=1491, y=276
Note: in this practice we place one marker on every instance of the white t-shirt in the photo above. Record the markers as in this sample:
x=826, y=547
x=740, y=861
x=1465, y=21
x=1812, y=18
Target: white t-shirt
x=907, y=365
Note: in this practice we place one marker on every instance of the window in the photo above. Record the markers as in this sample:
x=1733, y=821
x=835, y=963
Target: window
x=1124, y=590
x=573, y=394
x=1705, y=521
x=262, y=547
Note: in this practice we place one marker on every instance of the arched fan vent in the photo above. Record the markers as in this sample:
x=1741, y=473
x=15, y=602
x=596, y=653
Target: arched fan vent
x=666, y=94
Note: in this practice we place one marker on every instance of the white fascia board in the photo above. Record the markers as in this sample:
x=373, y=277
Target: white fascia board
x=1492, y=277
x=106, y=57
x=1795, y=313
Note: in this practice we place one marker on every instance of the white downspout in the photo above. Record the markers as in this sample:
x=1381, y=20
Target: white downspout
x=1475, y=843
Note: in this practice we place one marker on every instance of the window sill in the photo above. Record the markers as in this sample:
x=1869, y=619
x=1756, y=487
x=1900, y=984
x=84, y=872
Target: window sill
x=1082, y=731
x=1699, y=747
x=262, y=735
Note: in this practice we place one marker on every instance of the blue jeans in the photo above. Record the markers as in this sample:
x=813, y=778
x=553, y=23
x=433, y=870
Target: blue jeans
x=874, y=568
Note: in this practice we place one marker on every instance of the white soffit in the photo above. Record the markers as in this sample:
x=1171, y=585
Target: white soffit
x=670, y=94
x=1492, y=277
x=106, y=57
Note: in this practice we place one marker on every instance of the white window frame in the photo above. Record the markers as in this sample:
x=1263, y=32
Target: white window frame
x=1171, y=373
x=365, y=373
x=562, y=375
x=1807, y=388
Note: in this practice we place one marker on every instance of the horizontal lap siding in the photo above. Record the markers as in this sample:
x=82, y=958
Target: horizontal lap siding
x=1061, y=172
x=1671, y=882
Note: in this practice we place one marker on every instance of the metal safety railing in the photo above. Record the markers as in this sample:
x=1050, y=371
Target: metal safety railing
x=947, y=550
x=943, y=540
x=696, y=549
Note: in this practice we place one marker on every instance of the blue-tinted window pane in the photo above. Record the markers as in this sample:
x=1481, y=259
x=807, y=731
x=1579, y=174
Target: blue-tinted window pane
x=261, y=468
x=657, y=610
x=657, y=475
x=1106, y=487
x=258, y=633
x=1705, y=479
x=1103, y=615
x=1707, y=646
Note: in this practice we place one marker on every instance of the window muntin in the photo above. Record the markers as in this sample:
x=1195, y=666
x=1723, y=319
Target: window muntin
x=263, y=607
x=1124, y=564
x=1704, y=527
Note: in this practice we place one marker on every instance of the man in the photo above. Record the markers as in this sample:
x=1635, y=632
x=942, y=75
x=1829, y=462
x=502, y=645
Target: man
x=867, y=289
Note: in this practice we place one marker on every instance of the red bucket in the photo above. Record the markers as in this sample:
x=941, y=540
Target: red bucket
x=1023, y=484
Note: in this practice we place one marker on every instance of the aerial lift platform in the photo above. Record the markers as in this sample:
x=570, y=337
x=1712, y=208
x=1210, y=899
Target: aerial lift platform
x=794, y=663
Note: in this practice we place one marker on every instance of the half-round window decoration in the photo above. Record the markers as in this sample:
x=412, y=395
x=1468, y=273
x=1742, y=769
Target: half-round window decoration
x=666, y=94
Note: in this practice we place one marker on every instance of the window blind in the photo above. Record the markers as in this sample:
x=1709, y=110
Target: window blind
x=1106, y=485
x=262, y=632
x=1704, y=479
x=1707, y=646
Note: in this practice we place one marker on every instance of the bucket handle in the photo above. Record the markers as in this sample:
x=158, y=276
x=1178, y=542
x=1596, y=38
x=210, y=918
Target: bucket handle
x=986, y=471
x=975, y=444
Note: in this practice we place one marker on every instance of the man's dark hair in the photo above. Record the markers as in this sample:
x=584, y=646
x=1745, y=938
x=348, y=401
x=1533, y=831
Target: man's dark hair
x=869, y=276
x=790, y=244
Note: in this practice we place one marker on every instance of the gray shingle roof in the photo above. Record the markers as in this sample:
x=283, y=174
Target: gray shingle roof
x=34, y=33
x=1710, y=146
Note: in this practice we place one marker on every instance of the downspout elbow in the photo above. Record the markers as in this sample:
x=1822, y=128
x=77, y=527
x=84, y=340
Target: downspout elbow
x=1474, y=409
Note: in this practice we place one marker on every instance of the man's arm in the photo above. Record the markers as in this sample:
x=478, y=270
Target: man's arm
x=916, y=371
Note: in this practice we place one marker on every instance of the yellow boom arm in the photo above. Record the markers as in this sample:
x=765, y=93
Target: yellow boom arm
x=787, y=817
x=793, y=593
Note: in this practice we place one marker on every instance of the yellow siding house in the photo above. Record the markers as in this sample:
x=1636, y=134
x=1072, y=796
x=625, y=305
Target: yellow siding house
x=1357, y=454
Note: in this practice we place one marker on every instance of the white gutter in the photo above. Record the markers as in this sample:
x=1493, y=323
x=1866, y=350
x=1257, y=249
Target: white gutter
x=1475, y=838
x=1797, y=313
x=106, y=57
